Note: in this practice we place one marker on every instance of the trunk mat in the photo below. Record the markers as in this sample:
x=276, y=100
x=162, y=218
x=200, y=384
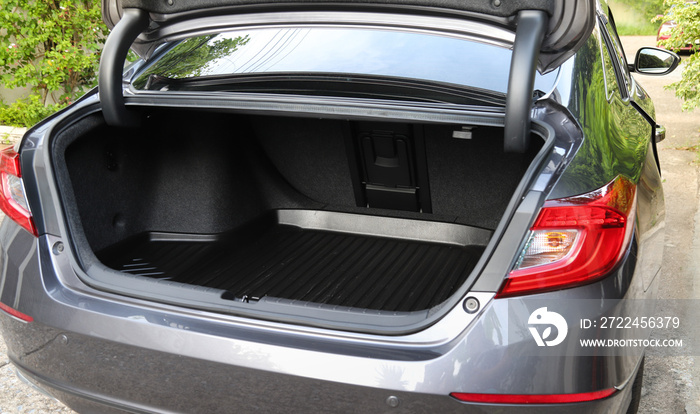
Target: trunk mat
x=290, y=262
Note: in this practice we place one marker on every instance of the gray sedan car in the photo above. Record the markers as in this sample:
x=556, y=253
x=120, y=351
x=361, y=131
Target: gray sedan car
x=340, y=206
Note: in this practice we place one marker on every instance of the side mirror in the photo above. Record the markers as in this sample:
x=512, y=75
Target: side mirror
x=655, y=61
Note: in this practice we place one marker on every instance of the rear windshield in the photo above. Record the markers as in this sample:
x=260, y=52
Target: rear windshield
x=314, y=51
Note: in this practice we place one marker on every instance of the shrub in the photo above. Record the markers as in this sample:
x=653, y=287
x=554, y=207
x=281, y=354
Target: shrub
x=26, y=112
x=51, y=46
x=686, y=31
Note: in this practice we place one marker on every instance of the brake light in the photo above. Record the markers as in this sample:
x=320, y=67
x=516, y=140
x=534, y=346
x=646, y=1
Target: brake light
x=12, y=198
x=575, y=240
x=533, y=398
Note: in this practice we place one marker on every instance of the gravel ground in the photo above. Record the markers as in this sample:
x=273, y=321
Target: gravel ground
x=671, y=384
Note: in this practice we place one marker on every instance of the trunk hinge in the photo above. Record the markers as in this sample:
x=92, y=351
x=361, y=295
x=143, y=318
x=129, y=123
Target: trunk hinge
x=110, y=85
x=526, y=51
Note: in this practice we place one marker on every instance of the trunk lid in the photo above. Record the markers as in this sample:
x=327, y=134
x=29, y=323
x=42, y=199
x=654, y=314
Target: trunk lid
x=568, y=21
x=547, y=32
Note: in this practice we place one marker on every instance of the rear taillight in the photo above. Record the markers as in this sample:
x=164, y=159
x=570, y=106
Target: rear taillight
x=575, y=240
x=15, y=313
x=534, y=399
x=12, y=198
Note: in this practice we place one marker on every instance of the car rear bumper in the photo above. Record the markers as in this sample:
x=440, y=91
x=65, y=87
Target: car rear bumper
x=94, y=375
x=97, y=353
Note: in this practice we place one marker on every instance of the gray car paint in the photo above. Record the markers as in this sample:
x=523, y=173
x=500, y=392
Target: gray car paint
x=86, y=345
x=98, y=343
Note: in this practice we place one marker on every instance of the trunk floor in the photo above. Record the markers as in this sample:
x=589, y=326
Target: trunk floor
x=319, y=266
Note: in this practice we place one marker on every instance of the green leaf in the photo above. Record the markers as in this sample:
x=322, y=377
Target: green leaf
x=55, y=49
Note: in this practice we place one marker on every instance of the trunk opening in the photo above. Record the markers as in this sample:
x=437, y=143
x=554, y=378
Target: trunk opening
x=387, y=217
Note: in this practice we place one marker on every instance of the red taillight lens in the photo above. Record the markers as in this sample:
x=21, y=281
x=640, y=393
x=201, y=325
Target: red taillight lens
x=575, y=240
x=12, y=199
x=533, y=398
x=15, y=313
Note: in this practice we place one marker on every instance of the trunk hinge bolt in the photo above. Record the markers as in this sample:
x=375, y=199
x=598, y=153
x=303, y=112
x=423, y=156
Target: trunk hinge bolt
x=393, y=401
x=471, y=305
x=58, y=248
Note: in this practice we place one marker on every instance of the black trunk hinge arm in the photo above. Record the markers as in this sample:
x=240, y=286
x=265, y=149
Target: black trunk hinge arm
x=521, y=83
x=110, y=83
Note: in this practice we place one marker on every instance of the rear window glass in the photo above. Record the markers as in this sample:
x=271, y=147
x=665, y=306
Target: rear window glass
x=346, y=50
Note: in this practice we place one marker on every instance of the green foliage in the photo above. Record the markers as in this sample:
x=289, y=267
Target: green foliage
x=688, y=88
x=685, y=32
x=51, y=46
x=634, y=18
x=192, y=57
x=647, y=8
x=639, y=28
x=26, y=112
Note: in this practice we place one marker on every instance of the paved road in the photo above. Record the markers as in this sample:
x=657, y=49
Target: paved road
x=671, y=384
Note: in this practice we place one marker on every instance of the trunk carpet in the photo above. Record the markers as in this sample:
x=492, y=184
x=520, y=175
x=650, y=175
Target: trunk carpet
x=289, y=262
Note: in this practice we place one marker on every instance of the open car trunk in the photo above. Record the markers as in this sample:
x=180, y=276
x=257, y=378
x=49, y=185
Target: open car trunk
x=339, y=214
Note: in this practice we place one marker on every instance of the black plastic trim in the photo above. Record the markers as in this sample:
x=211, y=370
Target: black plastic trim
x=132, y=23
x=526, y=51
x=488, y=7
x=329, y=107
x=316, y=258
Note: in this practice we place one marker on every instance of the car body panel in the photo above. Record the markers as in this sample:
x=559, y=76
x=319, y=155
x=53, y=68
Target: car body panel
x=599, y=161
x=103, y=350
x=176, y=383
x=86, y=345
x=631, y=150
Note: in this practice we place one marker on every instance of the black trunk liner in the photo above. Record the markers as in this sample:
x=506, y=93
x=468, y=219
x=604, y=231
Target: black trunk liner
x=285, y=261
